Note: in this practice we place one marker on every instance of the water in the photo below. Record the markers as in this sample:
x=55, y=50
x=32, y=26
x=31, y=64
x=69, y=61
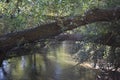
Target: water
x=43, y=67
x=55, y=65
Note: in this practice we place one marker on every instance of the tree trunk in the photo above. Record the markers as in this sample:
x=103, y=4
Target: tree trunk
x=2, y=56
x=49, y=30
x=1, y=61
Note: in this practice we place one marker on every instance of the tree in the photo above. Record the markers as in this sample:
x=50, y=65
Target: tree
x=53, y=29
x=58, y=24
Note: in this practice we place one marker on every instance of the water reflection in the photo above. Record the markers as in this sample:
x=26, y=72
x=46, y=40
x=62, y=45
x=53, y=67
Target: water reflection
x=42, y=67
x=1, y=74
x=23, y=62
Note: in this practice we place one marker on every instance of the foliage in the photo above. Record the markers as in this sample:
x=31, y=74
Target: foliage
x=22, y=14
x=18, y=15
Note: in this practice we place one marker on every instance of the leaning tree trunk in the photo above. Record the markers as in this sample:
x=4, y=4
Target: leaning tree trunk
x=49, y=30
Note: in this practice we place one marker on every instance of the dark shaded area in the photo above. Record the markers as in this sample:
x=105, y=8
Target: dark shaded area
x=2, y=57
x=108, y=75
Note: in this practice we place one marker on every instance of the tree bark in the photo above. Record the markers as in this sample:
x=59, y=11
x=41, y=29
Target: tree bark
x=2, y=56
x=49, y=30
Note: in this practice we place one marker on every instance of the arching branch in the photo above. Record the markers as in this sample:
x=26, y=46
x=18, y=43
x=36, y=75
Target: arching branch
x=49, y=30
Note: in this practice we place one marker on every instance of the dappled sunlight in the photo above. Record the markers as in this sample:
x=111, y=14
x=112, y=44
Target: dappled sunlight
x=86, y=65
x=61, y=55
